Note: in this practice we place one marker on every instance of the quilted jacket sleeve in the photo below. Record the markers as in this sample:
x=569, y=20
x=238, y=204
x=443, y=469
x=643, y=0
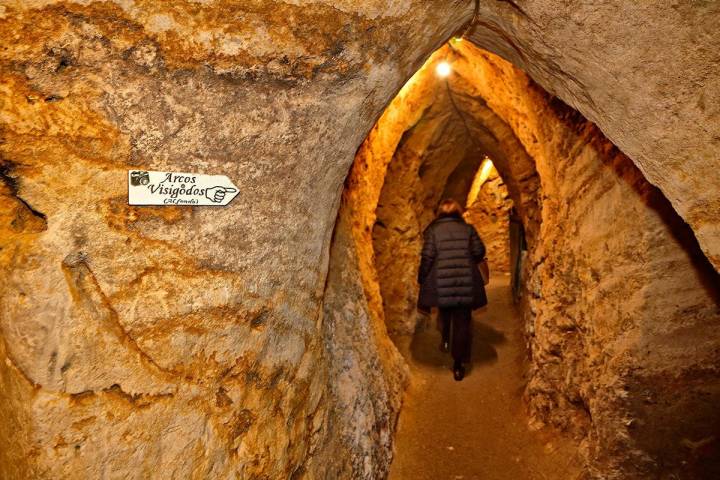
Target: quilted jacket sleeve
x=427, y=256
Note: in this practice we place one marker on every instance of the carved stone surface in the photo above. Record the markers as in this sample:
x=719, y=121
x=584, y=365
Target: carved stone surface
x=612, y=272
x=489, y=213
x=157, y=342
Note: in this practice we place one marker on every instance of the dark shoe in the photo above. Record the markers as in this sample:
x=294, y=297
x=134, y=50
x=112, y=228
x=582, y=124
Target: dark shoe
x=458, y=373
x=444, y=346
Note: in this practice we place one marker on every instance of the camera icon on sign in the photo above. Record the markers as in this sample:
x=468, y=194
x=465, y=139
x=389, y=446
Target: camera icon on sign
x=138, y=178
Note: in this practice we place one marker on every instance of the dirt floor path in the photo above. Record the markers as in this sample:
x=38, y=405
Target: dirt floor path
x=475, y=429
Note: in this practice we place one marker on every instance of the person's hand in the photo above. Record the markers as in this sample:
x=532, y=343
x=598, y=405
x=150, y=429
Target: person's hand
x=217, y=194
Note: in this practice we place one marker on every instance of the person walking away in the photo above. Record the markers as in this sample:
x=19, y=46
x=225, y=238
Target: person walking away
x=449, y=278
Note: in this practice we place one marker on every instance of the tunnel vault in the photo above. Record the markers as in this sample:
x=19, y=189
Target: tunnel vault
x=249, y=342
x=607, y=258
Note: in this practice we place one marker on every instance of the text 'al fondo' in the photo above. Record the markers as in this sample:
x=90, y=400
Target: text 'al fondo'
x=173, y=188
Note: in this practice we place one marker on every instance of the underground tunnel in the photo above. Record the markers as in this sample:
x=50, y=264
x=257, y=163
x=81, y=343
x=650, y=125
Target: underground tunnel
x=278, y=336
x=604, y=246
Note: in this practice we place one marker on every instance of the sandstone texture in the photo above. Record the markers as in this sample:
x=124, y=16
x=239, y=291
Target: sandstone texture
x=612, y=273
x=488, y=211
x=185, y=342
x=244, y=342
x=644, y=72
x=422, y=149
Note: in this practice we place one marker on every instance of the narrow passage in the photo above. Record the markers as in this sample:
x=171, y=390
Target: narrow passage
x=475, y=429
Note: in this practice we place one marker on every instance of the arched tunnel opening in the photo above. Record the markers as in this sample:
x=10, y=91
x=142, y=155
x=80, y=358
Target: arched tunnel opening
x=609, y=275
x=274, y=335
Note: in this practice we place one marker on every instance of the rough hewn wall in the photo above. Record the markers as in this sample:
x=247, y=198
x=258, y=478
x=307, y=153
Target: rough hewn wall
x=489, y=213
x=191, y=340
x=613, y=272
x=182, y=342
x=623, y=308
x=644, y=72
x=367, y=375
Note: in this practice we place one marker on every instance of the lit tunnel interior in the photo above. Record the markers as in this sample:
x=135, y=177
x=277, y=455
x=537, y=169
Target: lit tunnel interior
x=611, y=272
x=266, y=339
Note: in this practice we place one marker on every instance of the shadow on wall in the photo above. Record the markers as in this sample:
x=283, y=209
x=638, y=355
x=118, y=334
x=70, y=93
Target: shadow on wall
x=689, y=421
x=678, y=432
x=683, y=234
x=649, y=303
x=623, y=168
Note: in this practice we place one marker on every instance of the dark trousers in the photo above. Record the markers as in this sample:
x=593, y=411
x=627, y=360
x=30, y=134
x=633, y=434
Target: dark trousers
x=457, y=321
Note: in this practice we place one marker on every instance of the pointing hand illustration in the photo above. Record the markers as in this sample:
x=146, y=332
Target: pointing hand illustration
x=217, y=194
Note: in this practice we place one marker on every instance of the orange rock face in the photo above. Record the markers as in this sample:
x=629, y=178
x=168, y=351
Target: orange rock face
x=235, y=342
x=181, y=342
x=489, y=213
x=611, y=270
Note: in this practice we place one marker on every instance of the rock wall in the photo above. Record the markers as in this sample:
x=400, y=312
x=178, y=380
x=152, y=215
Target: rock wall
x=190, y=341
x=643, y=72
x=489, y=213
x=604, y=244
x=183, y=342
x=614, y=276
x=367, y=375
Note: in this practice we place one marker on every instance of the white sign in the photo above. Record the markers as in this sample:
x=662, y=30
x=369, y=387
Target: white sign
x=172, y=188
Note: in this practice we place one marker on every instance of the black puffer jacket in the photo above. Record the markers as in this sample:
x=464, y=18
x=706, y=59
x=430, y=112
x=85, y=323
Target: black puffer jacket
x=449, y=276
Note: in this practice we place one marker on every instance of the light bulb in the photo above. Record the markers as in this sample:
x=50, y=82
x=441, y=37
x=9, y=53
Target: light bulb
x=443, y=69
